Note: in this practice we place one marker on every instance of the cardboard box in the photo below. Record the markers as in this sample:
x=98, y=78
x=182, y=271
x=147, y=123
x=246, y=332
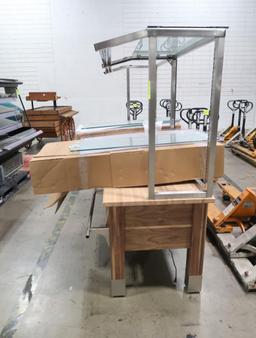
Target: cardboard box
x=55, y=169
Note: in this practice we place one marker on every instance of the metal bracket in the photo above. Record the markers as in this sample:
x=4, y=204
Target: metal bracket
x=89, y=224
x=102, y=230
x=241, y=242
x=250, y=277
x=232, y=138
x=182, y=194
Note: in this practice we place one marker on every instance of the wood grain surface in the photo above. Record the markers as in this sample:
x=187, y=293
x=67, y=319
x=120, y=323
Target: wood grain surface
x=195, y=254
x=139, y=196
x=157, y=215
x=117, y=243
x=156, y=238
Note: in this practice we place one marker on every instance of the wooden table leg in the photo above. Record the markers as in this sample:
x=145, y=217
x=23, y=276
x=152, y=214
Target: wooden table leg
x=195, y=254
x=117, y=247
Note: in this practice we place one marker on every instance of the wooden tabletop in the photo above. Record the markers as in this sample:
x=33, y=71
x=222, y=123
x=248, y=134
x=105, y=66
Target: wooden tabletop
x=69, y=113
x=114, y=197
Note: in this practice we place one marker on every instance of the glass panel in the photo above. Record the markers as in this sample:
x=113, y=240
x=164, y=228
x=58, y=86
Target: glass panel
x=165, y=46
x=112, y=126
x=121, y=125
x=10, y=117
x=128, y=141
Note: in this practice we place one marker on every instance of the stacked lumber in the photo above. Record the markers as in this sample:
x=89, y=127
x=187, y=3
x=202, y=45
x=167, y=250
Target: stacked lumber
x=49, y=119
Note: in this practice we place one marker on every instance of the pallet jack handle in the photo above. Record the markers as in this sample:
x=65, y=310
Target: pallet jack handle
x=233, y=105
x=245, y=109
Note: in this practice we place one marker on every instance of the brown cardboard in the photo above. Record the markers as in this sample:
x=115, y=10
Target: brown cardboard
x=55, y=169
x=55, y=199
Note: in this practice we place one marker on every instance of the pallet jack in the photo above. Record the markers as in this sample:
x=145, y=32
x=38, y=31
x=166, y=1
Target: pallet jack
x=234, y=229
x=135, y=108
x=166, y=104
x=234, y=131
x=246, y=147
x=241, y=210
x=196, y=116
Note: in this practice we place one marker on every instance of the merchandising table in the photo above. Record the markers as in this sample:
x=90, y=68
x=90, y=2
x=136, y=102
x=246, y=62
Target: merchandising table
x=137, y=223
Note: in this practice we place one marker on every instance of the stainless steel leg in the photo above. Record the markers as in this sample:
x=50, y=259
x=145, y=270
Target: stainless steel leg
x=128, y=91
x=214, y=112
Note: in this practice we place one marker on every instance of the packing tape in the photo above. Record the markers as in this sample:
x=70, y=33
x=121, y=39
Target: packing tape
x=83, y=171
x=149, y=90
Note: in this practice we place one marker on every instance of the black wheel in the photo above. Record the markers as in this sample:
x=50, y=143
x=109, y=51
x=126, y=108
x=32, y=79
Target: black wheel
x=226, y=198
x=39, y=139
x=28, y=145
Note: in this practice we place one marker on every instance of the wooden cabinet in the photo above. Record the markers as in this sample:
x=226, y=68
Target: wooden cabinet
x=137, y=223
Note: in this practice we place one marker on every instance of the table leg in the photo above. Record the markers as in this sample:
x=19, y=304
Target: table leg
x=117, y=247
x=195, y=254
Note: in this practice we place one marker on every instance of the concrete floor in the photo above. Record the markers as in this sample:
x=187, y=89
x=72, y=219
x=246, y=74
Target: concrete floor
x=69, y=287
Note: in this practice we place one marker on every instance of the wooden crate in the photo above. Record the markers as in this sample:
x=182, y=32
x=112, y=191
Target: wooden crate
x=50, y=120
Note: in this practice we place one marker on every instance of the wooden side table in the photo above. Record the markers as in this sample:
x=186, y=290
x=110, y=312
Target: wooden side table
x=137, y=223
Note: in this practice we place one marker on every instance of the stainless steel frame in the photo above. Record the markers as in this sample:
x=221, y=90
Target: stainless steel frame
x=128, y=93
x=214, y=109
x=204, y=36
x=173, y=92
x=152, y=116
x=128, y=84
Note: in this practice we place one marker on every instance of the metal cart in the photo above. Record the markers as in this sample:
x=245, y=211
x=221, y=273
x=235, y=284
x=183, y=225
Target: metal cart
x=13, y=137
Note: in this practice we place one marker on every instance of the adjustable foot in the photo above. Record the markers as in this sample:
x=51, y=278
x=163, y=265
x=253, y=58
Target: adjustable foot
x=194, y=284
x=118, y=288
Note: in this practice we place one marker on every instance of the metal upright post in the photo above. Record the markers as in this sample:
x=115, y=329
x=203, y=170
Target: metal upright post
x=214, y=111
x=173, y=93
x=152, y=116
x=128, y=93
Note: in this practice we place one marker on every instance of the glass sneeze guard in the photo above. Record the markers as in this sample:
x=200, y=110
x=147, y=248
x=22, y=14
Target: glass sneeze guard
x=138, y=140
x=165, y=46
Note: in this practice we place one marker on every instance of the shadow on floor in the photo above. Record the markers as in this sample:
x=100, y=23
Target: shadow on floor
x=142, y=268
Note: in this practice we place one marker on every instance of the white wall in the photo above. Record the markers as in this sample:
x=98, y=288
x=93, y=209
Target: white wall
x=49, y=45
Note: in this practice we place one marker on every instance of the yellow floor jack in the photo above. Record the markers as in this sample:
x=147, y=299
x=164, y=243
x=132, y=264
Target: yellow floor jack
x=233, y=132
x=234, y=229
x=240, y=211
